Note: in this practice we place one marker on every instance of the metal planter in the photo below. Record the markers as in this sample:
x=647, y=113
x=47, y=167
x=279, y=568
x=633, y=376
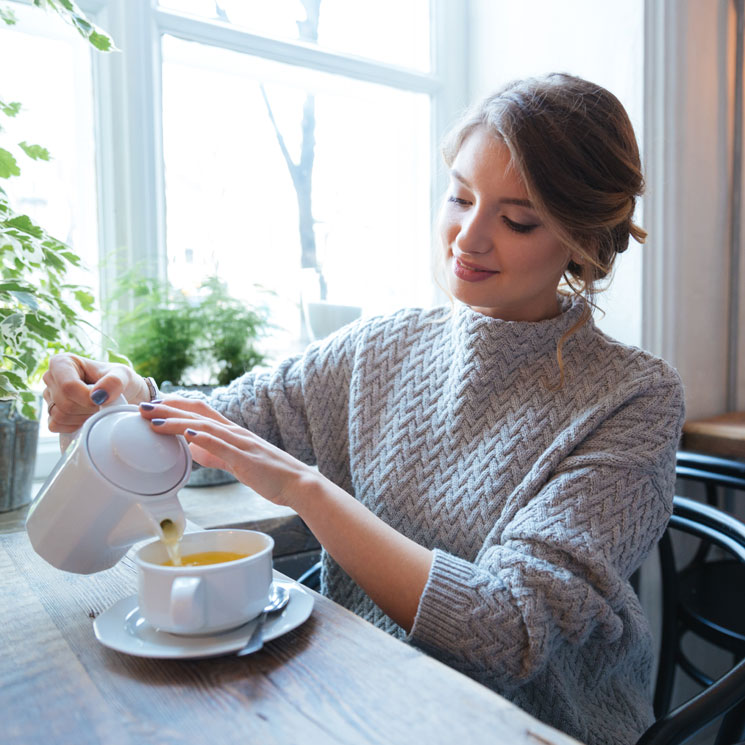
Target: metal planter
x=18, y=440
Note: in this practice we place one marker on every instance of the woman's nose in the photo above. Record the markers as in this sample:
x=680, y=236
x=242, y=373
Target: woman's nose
x=474, y=236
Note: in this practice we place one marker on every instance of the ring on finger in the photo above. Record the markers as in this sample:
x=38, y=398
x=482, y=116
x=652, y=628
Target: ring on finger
x=50, y=407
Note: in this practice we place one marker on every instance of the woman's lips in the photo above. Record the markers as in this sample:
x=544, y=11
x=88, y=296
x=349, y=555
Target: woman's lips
x=469, y=273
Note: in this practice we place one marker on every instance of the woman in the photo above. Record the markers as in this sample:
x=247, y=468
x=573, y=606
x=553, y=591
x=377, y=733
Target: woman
x=490, y=475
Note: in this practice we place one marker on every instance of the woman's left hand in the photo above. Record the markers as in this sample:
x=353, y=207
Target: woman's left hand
x=216, y=442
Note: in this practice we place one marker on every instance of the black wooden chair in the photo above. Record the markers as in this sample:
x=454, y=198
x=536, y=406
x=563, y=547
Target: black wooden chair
x=311, y=577
x=720, y=698
x=712, y=589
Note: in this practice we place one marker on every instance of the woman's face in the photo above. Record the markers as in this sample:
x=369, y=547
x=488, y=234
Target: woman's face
x=499, y=258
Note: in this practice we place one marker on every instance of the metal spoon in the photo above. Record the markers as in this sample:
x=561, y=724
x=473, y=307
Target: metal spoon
x=278, y=599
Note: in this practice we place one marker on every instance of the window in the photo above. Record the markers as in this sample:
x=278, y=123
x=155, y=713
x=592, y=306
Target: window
x=209, y=108
x=232, y=207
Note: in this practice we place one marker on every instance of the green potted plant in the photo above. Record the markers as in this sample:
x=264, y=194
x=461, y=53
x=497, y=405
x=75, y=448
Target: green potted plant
x=41, y=313
x=183, y=342
x=158, y=335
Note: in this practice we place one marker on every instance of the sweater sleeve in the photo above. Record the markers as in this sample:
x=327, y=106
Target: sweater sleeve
x=556, y=572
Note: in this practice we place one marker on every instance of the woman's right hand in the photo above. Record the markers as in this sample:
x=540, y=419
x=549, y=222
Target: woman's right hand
x=76, y=387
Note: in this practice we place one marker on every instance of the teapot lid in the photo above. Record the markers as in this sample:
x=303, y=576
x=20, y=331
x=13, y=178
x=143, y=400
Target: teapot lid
x=126, y=451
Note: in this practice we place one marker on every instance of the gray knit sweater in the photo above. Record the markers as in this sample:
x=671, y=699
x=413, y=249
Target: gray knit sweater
x=539, y=502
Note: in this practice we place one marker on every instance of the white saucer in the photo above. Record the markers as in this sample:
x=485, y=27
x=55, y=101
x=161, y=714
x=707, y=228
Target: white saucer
x=122, y=628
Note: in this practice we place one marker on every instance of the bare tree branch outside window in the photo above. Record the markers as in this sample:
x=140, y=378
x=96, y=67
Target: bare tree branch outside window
x=302, y=171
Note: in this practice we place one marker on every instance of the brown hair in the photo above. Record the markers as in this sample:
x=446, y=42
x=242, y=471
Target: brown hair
x=574, y=148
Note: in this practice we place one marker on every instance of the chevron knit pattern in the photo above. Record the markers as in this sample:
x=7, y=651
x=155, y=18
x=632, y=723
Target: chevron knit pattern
x=539, y=501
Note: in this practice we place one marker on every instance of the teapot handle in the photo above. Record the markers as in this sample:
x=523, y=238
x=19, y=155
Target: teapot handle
x=66, y=438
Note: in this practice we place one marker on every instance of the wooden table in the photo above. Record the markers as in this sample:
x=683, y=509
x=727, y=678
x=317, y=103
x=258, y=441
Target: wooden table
x=334, y=679
x=722, y=435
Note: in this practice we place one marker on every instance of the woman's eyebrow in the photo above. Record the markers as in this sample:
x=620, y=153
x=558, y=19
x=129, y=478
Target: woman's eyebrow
x=502, y=200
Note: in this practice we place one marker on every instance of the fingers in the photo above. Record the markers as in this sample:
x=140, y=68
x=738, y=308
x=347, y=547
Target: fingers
x=207, y=459
x=220, y=445
x=215, y=450
x=67, y=395
x=76, y=387
x=171, y=417
x=64, y=379
x=180, y=407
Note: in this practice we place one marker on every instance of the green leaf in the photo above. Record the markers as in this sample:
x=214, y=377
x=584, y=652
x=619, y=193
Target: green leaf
x=15, y=379
x=14, y=361
x=101, y=42
x=113, y=356
x=25, y=224
x=13, y=286
x=7, y=15
x=69, y=11
x=71, y=256
x=53, y=262
x=8, y=165
x=42, y=327
x=10, y=109
x=6, y=387
x=85, y=299
x=11, y=323
x=37, y=152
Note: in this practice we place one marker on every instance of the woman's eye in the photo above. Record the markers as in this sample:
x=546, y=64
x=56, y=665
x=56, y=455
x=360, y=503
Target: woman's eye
x=518, y=227
x=457, y=200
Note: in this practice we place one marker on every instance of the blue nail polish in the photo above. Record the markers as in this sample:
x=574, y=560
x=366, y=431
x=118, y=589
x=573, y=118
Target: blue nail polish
x=158, y=422
x=99, y=396
x=157, y=401
x=147, y=407
x=191, y=432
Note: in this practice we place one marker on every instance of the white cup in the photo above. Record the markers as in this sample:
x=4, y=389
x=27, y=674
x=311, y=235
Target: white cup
x=209, y=598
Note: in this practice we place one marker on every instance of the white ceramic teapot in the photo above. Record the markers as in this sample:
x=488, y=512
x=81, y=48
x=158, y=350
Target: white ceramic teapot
x=114, y=485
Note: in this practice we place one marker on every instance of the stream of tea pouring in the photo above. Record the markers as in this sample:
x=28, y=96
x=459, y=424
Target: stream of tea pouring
x=171, y=538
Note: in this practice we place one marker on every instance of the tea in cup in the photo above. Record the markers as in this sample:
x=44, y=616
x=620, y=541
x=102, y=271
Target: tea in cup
x=223, y=581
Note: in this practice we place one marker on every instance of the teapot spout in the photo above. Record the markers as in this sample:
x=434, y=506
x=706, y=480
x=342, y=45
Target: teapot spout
x=143, y=521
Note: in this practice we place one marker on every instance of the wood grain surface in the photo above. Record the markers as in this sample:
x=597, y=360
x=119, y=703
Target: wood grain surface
x=722, y=435
x=335, y=679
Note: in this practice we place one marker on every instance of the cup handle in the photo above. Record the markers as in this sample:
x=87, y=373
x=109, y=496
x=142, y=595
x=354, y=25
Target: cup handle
x=187, y=608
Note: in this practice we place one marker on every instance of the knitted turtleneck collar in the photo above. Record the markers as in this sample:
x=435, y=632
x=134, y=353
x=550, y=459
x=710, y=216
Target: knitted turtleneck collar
x=570, y=309
x=495, y=345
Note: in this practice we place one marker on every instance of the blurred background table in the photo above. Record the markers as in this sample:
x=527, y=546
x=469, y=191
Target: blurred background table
x=722, y=435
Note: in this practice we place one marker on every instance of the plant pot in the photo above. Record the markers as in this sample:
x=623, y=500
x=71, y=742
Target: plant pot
x=200, y=476
x=18, y=440
x=324, y=318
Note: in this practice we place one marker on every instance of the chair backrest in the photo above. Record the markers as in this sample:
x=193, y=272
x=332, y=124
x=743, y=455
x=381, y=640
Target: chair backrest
x=710, y=469
x=720, y=529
